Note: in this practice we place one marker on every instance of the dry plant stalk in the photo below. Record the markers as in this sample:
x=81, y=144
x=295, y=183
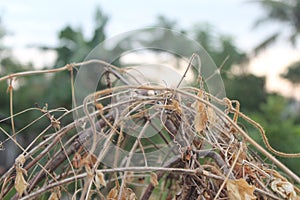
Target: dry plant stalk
x=197, y=151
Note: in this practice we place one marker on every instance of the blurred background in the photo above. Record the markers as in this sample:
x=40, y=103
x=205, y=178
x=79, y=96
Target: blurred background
x=256, y=43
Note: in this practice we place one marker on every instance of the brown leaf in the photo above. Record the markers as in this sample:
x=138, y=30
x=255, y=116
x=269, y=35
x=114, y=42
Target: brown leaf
x=240, y=189
x=174, y=106
x=127, y=194
x=211, y=115
x=99, y=107
x=100, y=180
x=187, y=156
x=53, y=196
x=88, y=160
x=129, y=177
x=55, y=123
x=20, y=160
x=77, y=161
x=284, y=188
x=20, y=182
x=113, y=194
x=130, y=195
x=201, y=117
x=56, y=194
x=153, y=179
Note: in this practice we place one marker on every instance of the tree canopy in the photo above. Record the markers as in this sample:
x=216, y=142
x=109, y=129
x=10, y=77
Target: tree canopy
x=285, y=13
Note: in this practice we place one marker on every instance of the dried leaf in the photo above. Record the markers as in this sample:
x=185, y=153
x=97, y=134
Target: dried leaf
x=211, y=115
x=187, y=156
x=240, y=189
x=130, y=195
x=284, y=188
x=100, y=180
x=174, y=106
x=77, y=161
x=129, y=177
x=53, y=196
x=201, y=118
x=20, y=160
x=88, y=160
x=127, y=194
x=20, y=182
x=99, y=107
x=88, y=170
x=56, y=124
x=153, y=179
x=56, y=194
x=113, y=194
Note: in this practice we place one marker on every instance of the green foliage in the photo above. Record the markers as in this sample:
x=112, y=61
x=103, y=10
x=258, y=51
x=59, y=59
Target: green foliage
x=293, y=73
x=8, y=65
x=74, y=47
x=219, y=47
x=281, y=128
x=248, y=89
x=165, y=22
x=266, y=42
x=281, y=12
x=276, y=11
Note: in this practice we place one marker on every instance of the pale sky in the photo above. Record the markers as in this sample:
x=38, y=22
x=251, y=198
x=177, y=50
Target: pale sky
x=36, y=22
x=32, y=22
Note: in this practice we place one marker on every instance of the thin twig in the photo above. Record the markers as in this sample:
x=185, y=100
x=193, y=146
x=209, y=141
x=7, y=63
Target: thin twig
x=10, y=90
x=230, y=170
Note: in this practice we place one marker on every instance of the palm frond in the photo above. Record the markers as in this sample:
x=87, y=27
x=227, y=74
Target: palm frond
x=266, y=43
x=260, y=22
x=293, y=38
x=276, y=11
x=293, y=73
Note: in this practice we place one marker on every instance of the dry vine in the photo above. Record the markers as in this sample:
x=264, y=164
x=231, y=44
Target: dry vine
x=197, y=151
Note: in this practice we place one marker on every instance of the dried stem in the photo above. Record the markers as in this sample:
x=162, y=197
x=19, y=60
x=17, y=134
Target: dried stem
x=195, y=149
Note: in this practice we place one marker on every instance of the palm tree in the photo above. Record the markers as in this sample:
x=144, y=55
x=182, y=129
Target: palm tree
x=287, y=13
x=284, y=12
